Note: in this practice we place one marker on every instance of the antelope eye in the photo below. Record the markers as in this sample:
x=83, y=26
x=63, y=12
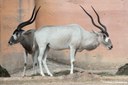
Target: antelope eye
x=16, y=33
x=104, y=36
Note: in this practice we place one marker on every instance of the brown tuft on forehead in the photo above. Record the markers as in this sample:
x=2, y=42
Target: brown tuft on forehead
x=105, y=33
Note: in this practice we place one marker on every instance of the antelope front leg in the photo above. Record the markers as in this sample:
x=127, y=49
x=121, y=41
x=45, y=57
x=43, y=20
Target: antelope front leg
x=25, y=63
x=41, y=54
x=34, y=67
x=35, y=60
x=44, y=63
x=72, y=58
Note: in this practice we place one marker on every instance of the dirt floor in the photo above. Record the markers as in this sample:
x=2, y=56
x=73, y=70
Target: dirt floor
x=62, y=77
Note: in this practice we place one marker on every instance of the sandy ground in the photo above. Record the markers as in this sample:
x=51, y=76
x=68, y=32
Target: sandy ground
x=62, y=77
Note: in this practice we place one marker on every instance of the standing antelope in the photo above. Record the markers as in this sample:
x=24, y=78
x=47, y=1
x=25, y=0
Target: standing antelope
x=72, y=37
x=26, y=39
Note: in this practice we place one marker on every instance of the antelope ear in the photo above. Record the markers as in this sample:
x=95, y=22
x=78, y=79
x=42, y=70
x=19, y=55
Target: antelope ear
x=97, y=33
x=27, y=33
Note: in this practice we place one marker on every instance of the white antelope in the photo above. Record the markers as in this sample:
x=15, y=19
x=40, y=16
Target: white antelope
x=72, y=37
x=26, y=38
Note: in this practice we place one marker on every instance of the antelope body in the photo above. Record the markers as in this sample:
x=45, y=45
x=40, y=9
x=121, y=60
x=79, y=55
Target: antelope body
x=26, y=39
x=72, y=37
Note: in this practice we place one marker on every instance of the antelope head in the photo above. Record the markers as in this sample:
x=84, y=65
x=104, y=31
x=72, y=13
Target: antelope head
x=17, y=34
x=103, y=34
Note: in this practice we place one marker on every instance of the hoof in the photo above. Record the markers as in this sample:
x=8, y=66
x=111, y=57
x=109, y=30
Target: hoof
x=51, y=75
x=42, y=74
x=71, y=72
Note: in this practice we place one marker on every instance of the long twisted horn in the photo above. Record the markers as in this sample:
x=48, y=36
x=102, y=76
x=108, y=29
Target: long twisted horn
x=31, y=20
x=99, y=19
x=91, y=19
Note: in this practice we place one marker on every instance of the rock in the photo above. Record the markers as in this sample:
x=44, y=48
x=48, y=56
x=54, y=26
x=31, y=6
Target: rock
x=123, y=70
x=4, y=72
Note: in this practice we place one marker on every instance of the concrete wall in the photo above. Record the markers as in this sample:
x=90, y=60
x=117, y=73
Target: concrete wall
x=113, y=14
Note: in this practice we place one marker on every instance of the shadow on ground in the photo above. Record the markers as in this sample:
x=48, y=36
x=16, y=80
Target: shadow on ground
x=60, y=73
